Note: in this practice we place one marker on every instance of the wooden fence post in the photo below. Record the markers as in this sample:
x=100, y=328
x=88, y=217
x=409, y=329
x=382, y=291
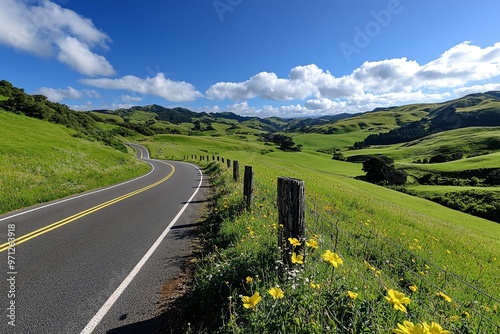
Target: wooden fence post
x=248, y=187
x=291, y=216
x=236, y=170
x=228, y=163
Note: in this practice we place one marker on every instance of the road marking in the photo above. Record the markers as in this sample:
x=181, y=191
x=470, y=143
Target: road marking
x=79, y=196
x=53, y=226
x=94, y=322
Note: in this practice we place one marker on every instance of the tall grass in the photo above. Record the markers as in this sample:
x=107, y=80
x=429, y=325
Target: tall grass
x=42, y=162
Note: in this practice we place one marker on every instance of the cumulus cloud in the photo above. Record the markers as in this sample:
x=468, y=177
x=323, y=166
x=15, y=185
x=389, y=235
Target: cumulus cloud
x=46, y=29
x=174, y=91
x=70, y=93
x=477, y=89
x=78, y=56
x=57, y=95
x=91, y=106
x=129, y=98
x=374, y=83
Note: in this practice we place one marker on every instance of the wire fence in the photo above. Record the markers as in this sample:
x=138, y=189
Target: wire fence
x=457, y=303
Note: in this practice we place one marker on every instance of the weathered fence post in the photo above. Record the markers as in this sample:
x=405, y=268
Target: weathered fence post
x=236, y=170
x=291, y=216
x=228, y=163
x=248, y=187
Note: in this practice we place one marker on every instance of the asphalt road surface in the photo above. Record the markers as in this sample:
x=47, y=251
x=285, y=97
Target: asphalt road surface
x=96, y=263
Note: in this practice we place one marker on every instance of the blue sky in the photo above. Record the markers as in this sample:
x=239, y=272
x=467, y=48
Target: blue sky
x=284, y=58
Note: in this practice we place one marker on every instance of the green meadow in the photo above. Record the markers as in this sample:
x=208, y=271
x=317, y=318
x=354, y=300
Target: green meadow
x=406, y=241
x=48, y=162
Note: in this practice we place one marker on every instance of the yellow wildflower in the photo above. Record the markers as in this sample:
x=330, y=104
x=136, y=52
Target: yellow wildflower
x=298, y=259
x=249, y=279
x=443, y=296
x=276, y=293
x=397, y=299
x=333, y=258
x=409, y=328
x=413, y=287
x=369, y=266
x=294, y=242
x=435, y=328
x=312, y=243
x=315, y=286
x=465, y=314
x=251, y=302
x=352, y=295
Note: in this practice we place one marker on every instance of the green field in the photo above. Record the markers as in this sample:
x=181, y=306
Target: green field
x=47, y=162
x=358, y=208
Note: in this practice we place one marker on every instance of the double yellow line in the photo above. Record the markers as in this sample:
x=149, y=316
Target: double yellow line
x=53, y=226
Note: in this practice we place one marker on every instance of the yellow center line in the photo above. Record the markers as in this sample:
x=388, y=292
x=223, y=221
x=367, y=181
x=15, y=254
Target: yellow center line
x=62, y=222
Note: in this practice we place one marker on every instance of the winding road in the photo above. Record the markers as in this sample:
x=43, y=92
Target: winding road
x=97, y=262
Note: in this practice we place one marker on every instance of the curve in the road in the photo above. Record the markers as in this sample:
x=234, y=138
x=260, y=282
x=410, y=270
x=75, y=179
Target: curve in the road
x=67, y=220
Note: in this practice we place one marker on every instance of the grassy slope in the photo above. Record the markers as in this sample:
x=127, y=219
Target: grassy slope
x=469, y=140
x=330, y=183
x=42, y=161
x=446, y=238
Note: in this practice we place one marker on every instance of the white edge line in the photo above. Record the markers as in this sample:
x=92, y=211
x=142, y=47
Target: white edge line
x=94, y=322
x=82, y=195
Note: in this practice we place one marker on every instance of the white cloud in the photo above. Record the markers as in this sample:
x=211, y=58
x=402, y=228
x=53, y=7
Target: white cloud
x=175, y=91
x=373, y=84
x=477, y=89
x=70, y=93
x=46, y=29
x=92, y=93
x=325, y=105
x=57, y=95
x=90, y=106
x=129, y=98
x=78, y=56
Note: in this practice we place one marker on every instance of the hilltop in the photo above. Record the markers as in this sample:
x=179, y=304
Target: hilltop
x=380, y=126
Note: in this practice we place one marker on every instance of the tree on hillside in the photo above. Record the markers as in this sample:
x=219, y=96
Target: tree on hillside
x=381, y=169
x=493, y=178
x=338, y=155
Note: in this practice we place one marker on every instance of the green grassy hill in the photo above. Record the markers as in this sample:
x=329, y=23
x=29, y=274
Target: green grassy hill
x=41, y=161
